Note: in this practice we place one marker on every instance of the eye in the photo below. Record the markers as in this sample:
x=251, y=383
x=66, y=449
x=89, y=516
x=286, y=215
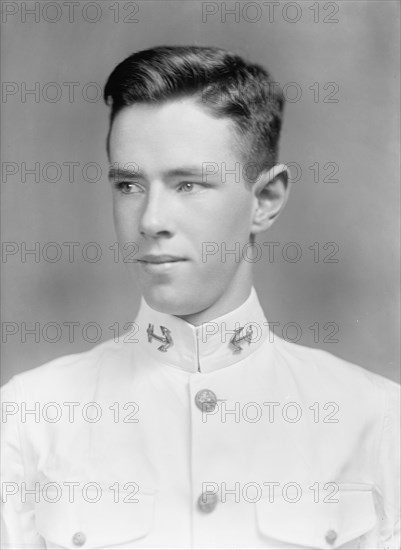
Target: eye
x=187, y=186
x=127, y=187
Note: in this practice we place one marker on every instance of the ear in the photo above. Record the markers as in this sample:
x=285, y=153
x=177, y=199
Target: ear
x=270, y=196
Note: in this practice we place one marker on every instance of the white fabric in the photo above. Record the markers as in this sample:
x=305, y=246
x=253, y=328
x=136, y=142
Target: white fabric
x=163, y=451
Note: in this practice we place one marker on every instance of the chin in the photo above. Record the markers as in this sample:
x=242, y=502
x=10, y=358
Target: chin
x=169, y=300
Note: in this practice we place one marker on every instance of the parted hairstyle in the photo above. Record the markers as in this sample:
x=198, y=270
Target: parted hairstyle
x=220, y=81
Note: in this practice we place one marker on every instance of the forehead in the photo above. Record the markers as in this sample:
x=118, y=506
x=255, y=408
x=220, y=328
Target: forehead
x=166, y=135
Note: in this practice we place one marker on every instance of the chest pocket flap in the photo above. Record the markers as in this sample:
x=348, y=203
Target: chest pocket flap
x=104, y=523
x=311, y=524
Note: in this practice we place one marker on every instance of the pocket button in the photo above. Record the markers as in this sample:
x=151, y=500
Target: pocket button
x=79, y=538
x=207, y=502
x=331, y=536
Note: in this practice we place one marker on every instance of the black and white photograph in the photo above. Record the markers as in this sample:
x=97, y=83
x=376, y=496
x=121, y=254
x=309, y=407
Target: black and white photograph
x=200, y=260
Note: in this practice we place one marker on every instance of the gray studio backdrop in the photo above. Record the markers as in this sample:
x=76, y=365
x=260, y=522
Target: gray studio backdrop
x=339, y=64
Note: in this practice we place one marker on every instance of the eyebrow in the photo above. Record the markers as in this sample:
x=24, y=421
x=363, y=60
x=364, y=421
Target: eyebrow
x=120, y=173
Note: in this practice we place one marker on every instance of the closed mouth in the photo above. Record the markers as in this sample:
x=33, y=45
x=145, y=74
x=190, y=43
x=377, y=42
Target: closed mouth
x=160, y=259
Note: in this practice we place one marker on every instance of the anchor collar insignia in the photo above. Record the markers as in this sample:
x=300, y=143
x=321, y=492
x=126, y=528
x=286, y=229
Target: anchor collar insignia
x=211, y=346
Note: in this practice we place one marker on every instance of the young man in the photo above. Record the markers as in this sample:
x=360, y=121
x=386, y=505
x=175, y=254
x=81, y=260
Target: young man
x=202, y=430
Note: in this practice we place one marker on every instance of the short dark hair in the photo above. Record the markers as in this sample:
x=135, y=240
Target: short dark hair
x=221, y=81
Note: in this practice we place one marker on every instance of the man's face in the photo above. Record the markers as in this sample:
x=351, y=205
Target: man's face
x=167, y=205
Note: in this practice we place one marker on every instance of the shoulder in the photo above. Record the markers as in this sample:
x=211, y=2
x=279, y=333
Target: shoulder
x=329, y=374
x=64, y=375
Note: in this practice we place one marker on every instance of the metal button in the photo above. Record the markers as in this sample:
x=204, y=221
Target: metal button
x=331, y=536
x=207, y=502
x=206, y=400
x=79, y=539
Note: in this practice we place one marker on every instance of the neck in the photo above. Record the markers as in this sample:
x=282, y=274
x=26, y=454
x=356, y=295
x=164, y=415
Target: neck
x=225, y=340
x=228, y=301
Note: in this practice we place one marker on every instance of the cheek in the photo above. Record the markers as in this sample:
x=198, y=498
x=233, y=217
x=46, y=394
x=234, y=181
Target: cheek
x=124, y=220
x=219, y=246
x=231, y=222
x=118, y=221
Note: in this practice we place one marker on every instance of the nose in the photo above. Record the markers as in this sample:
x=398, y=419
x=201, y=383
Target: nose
x=156, y=216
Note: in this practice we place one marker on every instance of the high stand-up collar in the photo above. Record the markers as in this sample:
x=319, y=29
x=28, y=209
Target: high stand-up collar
x=208, y=347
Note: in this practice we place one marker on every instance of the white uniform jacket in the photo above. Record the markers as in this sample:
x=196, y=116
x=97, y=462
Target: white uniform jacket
x=217, y=436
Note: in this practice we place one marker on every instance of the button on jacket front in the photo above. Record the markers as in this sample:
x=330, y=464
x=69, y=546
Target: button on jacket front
x=227, y=437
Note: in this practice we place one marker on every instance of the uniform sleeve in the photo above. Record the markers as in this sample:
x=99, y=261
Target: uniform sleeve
x=17, y=507
x=389, y=471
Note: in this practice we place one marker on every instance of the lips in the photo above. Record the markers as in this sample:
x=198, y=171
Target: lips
x=163, y=265
x=160, y=259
